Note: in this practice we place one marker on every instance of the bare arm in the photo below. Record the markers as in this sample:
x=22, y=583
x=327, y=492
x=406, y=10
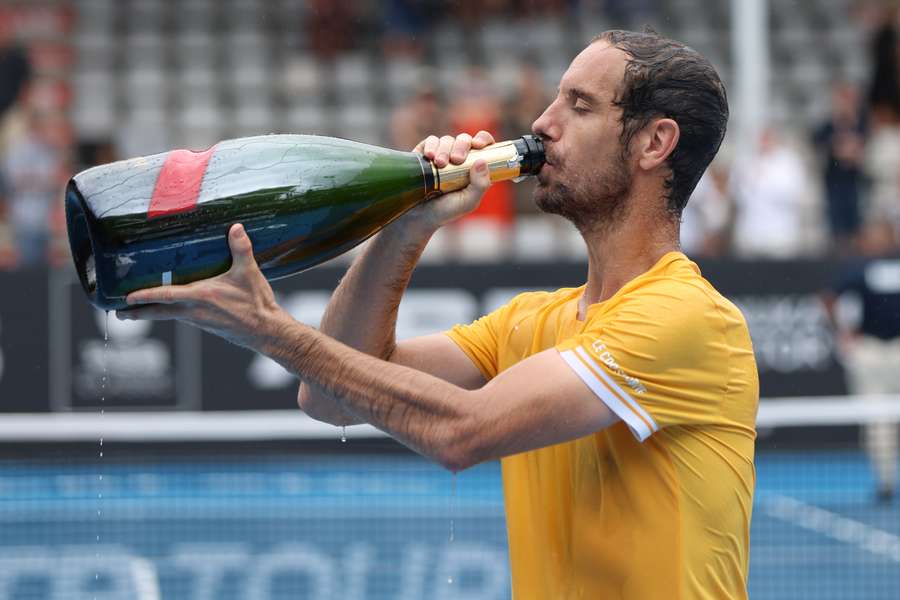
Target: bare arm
x=538, y=402
x=362, y=312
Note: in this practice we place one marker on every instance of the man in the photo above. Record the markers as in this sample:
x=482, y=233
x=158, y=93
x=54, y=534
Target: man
x=623, y=410
x=840, y=141
x=868, y=327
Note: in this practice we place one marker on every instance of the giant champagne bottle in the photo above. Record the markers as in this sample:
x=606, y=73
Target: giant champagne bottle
x=163, y=219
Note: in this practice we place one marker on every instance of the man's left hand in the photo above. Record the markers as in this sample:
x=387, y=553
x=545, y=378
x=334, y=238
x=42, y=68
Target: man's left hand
x=238, y=305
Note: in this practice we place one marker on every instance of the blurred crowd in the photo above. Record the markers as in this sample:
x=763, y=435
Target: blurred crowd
x=830, y=191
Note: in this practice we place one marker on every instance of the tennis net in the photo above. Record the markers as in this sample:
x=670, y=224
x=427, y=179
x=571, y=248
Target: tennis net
x=271, y=505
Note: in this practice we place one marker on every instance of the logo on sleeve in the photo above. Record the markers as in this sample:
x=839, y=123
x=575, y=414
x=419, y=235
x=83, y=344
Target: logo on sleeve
x=607, y=358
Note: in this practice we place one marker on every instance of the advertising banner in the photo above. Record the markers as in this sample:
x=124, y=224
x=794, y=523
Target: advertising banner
x=108, y=364
x=24, y=349
x=59, y=353
x=792, y=337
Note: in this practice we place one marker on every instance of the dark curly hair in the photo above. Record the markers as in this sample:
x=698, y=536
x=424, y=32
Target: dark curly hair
x=664, y=78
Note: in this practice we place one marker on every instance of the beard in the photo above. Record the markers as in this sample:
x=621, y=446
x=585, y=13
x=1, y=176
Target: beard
x=591, y=201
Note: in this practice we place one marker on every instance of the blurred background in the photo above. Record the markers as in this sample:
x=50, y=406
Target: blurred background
x=148, y=461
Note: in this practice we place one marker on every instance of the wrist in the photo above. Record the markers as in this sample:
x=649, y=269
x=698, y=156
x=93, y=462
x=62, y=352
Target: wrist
x=412, y=227
x=282, y=334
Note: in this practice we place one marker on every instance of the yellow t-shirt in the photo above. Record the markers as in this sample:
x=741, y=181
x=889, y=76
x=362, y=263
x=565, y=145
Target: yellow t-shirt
x=658, y=505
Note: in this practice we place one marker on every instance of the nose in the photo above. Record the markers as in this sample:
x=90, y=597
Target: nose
x=547, y=126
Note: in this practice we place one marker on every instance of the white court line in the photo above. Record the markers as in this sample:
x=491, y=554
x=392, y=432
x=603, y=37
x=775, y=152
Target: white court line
x=834, y=526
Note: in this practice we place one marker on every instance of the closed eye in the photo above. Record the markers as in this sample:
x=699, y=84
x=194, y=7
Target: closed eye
x=580, y=107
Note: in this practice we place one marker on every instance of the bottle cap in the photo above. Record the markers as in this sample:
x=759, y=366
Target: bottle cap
x=531, y=149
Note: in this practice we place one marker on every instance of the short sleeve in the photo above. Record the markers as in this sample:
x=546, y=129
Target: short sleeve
x=480, y=340
x=659, y=360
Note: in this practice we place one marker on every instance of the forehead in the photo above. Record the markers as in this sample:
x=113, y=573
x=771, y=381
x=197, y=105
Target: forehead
x=597, y=69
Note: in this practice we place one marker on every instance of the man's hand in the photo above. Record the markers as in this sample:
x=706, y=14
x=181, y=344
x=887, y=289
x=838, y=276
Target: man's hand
x=449, y=150
x=238, y=305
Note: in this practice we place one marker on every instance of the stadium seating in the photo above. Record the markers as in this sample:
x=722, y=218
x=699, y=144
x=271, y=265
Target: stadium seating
x=192, y=72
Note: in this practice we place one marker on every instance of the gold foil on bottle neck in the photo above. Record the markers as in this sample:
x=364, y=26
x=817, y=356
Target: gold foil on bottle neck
x=503, y=161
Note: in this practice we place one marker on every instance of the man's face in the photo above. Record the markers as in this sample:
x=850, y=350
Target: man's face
x=586, y=179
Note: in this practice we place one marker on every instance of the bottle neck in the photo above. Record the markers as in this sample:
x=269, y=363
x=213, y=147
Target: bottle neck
x=506, y=160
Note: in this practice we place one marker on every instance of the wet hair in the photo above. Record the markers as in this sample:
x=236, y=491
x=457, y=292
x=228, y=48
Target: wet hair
x=664, y=78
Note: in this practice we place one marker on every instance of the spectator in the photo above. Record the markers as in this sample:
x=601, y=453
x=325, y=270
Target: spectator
x=884, y=88
x=869, y=339
x=31, y=169
x=840, y=142
x=708, y=215
x=523, y=106
x=629, y=13
x=405, y=23
x=330, y=27
x=7, y=243
x=15, y=71
x=770, y=190
x=417, y=118
x=882, y=165
x=476, y=107
x=527, y=102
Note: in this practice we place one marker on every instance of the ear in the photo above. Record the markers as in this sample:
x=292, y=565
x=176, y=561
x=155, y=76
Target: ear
x=658, y=142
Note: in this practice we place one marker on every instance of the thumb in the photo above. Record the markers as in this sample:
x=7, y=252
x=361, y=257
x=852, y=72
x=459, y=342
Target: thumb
x=241, y=247
x=479, y=176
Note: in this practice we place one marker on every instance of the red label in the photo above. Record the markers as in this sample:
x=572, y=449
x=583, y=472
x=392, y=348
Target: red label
x=178, y=185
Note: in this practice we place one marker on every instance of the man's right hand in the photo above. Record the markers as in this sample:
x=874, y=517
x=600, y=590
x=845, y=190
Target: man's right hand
x=453, y=150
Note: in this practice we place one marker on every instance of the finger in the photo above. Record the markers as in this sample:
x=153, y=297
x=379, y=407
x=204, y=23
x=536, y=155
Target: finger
x=430, y=146
x=460, y=149
x=241, y=247
x=166, y=294
x=151, y=312
x=442, y=156
x=482, y=138
x=479, y=176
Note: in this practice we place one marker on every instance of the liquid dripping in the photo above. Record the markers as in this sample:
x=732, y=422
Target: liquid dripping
x=453, y=509
x=343, y=433
x=100, y=452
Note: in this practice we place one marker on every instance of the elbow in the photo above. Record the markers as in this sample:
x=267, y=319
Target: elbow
x=456, y=462
x=459, y=450
x=313, y=406
x=304, y=400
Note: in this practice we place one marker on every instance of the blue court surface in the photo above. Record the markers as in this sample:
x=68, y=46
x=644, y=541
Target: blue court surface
x=355, y=526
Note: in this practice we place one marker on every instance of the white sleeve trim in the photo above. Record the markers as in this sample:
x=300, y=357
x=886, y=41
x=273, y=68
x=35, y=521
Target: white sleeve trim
x=620, y=402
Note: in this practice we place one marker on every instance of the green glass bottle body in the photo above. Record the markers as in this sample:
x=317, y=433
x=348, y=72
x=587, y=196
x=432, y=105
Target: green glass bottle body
x=163, y=219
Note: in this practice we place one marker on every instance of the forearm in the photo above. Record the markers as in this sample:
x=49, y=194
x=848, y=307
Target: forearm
x=379, y=275
x=362, y=312
x=422, y=411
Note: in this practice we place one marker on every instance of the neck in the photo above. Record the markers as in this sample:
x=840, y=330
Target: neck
x=619, y=253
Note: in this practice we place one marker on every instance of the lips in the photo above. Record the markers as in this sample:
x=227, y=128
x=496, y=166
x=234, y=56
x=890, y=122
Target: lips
x=549, y=160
